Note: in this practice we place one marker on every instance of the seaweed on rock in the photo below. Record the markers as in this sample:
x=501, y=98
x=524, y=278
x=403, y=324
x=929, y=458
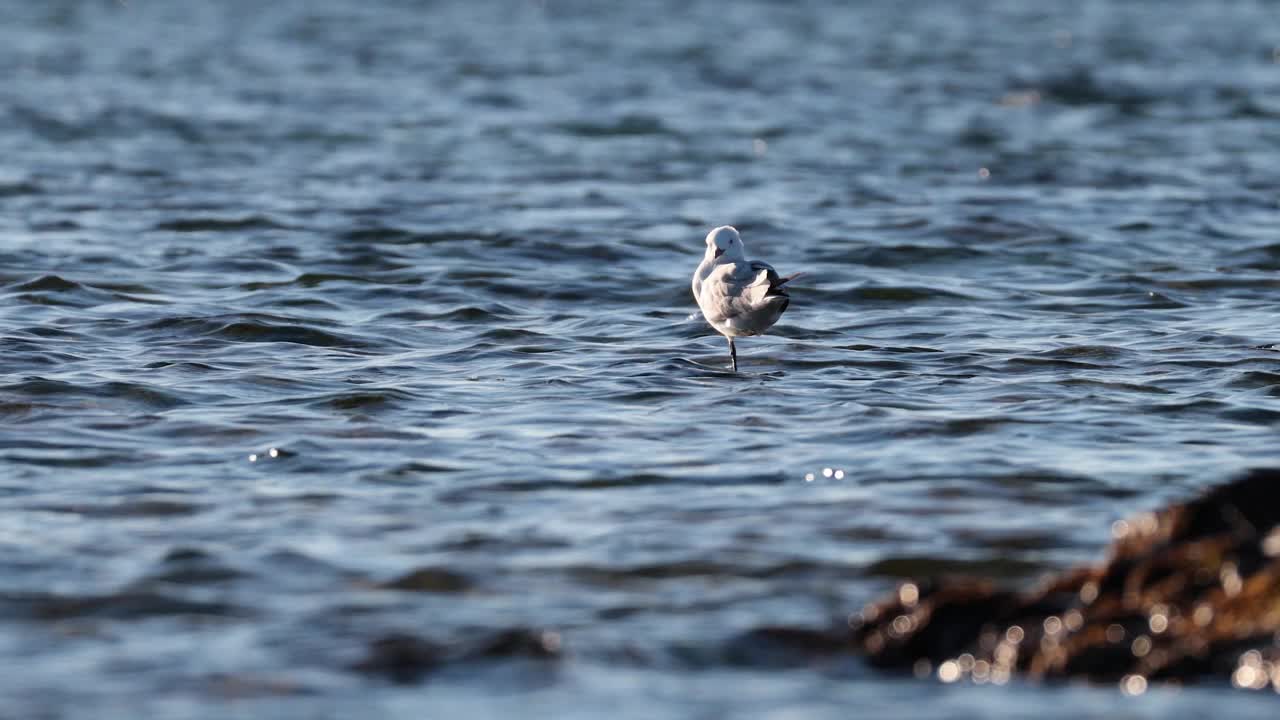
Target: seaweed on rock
x=1188, y=593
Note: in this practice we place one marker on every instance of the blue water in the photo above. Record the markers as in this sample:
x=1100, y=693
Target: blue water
x=437, y=257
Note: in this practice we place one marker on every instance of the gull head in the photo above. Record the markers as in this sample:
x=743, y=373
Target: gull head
x=725, y=243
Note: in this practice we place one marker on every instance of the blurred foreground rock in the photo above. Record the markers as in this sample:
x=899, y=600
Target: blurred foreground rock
x=1188, y=593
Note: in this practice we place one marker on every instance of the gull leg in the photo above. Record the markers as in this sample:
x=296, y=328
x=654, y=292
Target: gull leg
x=733, y=355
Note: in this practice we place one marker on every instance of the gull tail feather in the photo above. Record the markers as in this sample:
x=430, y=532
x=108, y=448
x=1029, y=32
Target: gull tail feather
x=776, y=285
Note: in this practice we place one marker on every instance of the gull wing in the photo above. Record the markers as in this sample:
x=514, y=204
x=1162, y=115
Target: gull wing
x=767, y=283
x=747, y=297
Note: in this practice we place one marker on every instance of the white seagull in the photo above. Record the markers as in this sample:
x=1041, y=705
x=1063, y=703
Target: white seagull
x=739, y=297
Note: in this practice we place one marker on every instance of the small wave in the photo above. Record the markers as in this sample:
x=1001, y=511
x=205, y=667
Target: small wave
x=316, y=279
x=48, y=283
x=1036, y=362
x=400, y=236
x=127, y=392
x=896, y=294
x=627, y=125
x=15, y=189
x=365, y=399
x=188, y=566
x=1256, y=379
x=405, y=659
x=124, y=121
x=982, y=229
x=777, y=646
x=142, y=508
x=124, y=605
x=1090, y=352
x=213, y=224
x=509, y=334
x=1081, y=86
x=1256, y=415
x=910, y=566
x=429, y=580
x=1114, y=386
x=255, y=329
x=471, y=313
x=907, y=255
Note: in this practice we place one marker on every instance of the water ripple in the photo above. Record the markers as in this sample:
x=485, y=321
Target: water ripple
x=351, y=345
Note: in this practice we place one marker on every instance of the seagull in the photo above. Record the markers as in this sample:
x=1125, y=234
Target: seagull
x=738, y=296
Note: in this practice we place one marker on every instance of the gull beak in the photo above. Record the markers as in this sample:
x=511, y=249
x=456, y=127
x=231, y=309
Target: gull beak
x=719, y=252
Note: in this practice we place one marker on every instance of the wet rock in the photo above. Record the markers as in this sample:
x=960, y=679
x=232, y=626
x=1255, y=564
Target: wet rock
x=1188, y=593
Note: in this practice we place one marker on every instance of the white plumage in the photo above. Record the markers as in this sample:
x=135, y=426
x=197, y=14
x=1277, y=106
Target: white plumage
x=739, y=297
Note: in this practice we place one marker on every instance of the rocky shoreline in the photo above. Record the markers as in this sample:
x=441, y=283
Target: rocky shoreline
x=1187, y=594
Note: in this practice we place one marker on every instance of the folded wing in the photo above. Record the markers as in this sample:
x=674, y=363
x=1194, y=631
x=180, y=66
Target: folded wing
x=745, y=298
x=767, y=283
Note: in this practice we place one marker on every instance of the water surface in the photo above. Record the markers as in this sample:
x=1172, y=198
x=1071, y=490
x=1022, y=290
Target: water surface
x=437, y=257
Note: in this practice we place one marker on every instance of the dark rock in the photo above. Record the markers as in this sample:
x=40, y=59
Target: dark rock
x=1188, y=593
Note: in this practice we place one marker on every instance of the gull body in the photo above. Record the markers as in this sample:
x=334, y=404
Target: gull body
x=737, y=296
